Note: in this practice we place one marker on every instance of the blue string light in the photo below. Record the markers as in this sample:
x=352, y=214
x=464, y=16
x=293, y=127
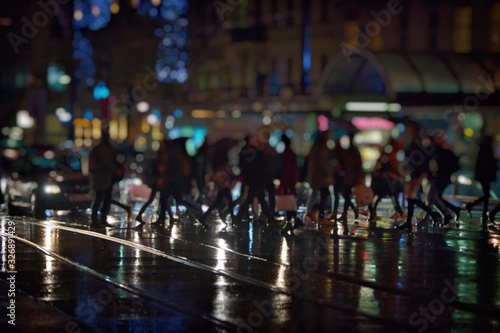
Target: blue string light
x=96, y=14
x=171, y=54
x=83, y=51
x=93, y=15
x=171, y=62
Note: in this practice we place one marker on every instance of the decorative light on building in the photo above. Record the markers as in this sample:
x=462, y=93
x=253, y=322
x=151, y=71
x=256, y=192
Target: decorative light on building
x=64, y=79
x=169, y=123
x=24, y=120
x=57, y=79
x=152, y=119
x=5, y=22
x=172, y=57
x=323, y=123
x=78, y=14
x=115, y=7
x=101, y=91
x=63, y=115
x=122, y=129
x=469, y=132
x=95, y=10
x=142, y=106
x=266, y=120
x=372, y=107
x=134, y=3
x=96, y=128
x=88, y=114
x=93, y=15
x=198, y=113
x=367, y=123
x=178, y=113
x=83, y=51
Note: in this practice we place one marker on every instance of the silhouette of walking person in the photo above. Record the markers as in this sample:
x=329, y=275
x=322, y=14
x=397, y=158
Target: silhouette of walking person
x=418, y=159
x=289, y=178
x=224, y=180
x=485, y=173
x=253, y=166
x=104, y=170
x=353, y=167
x=154, y=187
x=320, y=176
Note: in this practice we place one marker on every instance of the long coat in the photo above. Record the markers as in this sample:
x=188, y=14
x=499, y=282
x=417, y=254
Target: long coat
x=486, y=164
x=289, y=172
x=103, y=166
x=319, y=165
x=353, y=167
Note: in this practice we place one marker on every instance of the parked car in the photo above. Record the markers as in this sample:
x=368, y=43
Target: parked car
x=42, y=179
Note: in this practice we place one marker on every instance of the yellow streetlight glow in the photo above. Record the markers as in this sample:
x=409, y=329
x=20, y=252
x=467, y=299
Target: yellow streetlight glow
x=115, y=7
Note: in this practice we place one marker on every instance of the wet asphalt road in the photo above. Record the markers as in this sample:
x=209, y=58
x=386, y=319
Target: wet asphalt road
x=182, y=278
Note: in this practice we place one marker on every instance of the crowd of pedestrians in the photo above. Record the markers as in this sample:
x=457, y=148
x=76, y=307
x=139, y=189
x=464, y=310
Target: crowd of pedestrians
x=269, y=181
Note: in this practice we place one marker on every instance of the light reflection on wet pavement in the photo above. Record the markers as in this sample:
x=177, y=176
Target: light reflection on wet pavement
x=369, y=278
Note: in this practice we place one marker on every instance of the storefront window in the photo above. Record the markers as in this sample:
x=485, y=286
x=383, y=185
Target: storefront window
x=495, y=28
x=462, y=29
x=351, y=33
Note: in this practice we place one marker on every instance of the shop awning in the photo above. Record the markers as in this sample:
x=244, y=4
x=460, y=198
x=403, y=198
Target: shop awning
x=393, y=76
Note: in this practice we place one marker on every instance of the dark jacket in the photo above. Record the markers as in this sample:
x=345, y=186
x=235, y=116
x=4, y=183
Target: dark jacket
x=253, y=166
x=486, y=164
x=289, y=172
x=103, y=166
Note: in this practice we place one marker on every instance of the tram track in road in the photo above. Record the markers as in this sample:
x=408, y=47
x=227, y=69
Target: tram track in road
x=262, y=284
x=131, y=289
x=338, y=276
x=272, y=288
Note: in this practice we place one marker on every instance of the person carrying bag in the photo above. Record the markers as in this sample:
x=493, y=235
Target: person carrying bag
x=285, y=194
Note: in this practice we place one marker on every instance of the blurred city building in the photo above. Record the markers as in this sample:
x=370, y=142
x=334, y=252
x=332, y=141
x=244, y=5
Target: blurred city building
x=151, y=68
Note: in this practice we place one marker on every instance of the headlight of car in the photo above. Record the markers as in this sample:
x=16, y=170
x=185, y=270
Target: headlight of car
x=52, y=189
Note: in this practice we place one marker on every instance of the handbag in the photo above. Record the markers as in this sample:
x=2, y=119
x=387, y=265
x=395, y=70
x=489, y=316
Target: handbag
x=285, y=203
x=364, y=195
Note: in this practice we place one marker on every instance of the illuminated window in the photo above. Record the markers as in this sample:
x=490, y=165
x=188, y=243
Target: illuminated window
x=462, y=29
x=351, y=33
x=202, y=82
x=56, y=77
x=377, y=42
x=214, y=81
x=243, y=13
x=495, y=28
